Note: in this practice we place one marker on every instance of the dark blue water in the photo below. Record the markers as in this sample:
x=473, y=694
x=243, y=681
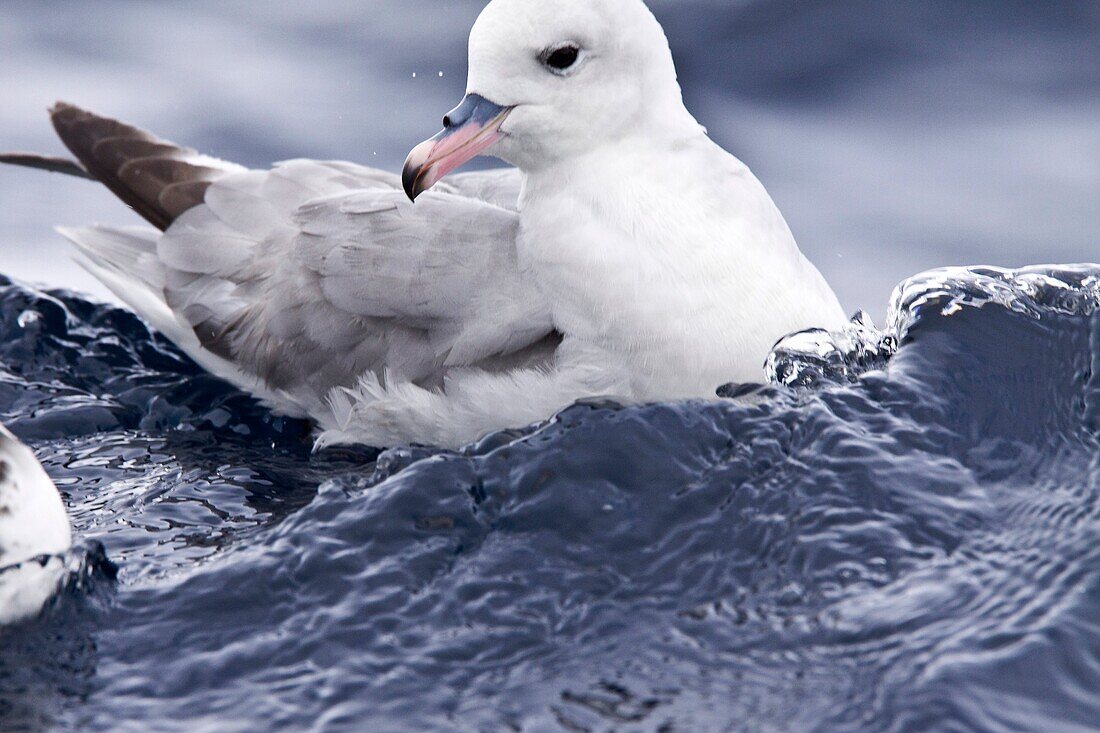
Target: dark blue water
x=916, y=548
x=911, y=546
x=895, y=135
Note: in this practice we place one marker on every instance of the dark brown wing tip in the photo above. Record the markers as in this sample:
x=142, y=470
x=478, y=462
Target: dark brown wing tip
x=61, y=106
x=63, y=114
x=137, y=166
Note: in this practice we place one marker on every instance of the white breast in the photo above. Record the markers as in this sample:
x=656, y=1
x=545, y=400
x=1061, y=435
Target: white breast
x=675, y=263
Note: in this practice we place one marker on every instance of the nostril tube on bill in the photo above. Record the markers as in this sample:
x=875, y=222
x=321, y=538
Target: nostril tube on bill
x=469, y=129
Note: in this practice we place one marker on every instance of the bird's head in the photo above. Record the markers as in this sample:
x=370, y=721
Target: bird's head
x=551, y=79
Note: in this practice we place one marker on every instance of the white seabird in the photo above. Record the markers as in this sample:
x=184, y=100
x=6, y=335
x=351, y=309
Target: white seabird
x=34, y=533
x=628, y=256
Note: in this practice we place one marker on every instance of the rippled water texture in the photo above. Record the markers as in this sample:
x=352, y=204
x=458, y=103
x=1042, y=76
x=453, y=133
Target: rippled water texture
x=895, y=135
x=913, y=549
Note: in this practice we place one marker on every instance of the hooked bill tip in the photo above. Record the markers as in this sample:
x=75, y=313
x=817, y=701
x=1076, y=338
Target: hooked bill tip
x=470, y=130
x=416, y=166
x=409, y=178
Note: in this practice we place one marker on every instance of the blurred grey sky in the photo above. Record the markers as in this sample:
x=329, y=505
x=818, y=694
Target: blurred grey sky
x=896, y=135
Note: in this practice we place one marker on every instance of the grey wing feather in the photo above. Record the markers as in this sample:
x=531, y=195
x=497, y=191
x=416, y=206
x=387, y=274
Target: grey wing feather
x=314, y=273
x=499, y=187
x=293, y=281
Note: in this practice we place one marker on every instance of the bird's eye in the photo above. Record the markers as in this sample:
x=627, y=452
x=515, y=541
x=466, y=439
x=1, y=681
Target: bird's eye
x=561, y=58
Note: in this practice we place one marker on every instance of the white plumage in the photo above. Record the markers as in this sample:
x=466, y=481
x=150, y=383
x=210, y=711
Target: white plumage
x=34, y=533
x=629, y=256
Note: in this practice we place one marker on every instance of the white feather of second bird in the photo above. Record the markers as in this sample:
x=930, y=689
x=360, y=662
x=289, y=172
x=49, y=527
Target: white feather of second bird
x=34, y=532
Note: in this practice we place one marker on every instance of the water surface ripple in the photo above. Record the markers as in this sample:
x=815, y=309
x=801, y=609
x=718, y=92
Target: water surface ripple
x=912, y=546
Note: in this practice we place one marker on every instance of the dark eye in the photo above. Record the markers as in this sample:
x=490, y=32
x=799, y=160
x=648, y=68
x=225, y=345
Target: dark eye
x=561, y=58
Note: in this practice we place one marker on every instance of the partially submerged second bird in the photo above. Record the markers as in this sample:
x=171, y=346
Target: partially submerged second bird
x=34, y=533
x=628, y=256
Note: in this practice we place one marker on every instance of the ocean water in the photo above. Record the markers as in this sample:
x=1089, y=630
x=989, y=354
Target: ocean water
x=900, y=533
x=895, y=135
x=901, y=541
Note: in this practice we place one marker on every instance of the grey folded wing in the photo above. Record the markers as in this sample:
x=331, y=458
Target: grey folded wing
x=310, y=275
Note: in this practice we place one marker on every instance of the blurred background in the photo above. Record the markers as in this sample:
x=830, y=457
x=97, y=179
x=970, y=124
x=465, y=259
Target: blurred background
x=896, y=135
